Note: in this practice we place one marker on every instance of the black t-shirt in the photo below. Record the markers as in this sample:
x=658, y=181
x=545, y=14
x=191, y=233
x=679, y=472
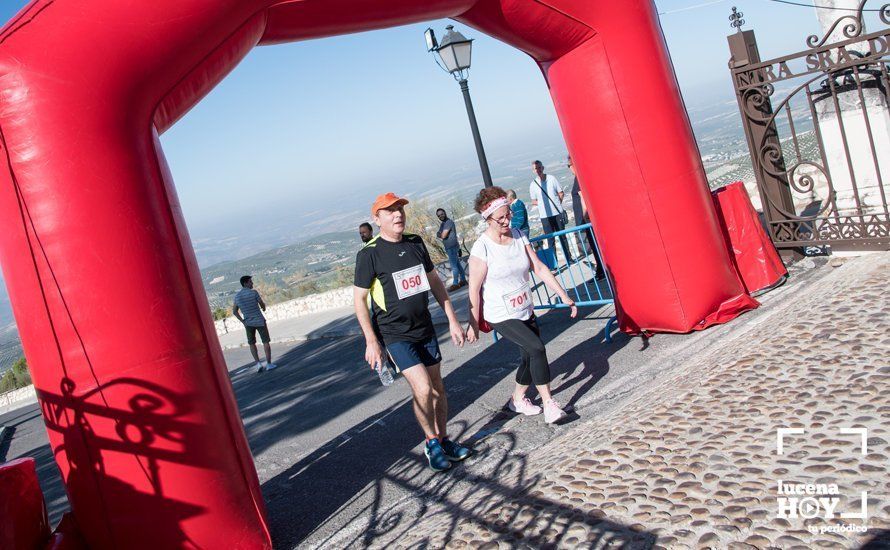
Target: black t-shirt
x=396, y=274
x=576, y=203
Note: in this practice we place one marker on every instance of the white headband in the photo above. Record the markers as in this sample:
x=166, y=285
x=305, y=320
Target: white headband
x=494, y=205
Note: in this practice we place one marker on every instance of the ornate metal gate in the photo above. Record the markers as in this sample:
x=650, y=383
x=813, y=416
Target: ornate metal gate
x=817, y=124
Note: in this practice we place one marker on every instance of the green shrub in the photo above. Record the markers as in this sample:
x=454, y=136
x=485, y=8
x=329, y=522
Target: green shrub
x=16, y=377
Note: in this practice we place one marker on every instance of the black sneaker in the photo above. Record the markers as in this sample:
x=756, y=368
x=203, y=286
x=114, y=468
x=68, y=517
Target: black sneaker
x=455, y=451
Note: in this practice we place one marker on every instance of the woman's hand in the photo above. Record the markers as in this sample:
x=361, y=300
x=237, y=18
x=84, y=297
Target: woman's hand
x=472, y=333
x=573, y=309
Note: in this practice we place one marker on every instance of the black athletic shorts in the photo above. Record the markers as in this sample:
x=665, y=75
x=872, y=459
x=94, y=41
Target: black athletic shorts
x=251, y=334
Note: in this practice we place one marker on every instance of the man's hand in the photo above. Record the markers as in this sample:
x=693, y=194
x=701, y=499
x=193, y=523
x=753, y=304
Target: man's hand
x=374, y=354
x=457, y=334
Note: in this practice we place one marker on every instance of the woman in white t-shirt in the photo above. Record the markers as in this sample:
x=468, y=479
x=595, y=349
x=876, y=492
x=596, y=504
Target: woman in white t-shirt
x=499, y=274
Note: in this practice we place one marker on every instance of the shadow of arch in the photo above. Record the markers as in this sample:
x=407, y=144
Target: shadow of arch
x=317, y=385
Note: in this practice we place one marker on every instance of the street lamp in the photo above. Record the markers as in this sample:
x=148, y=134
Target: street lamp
x=455, y=51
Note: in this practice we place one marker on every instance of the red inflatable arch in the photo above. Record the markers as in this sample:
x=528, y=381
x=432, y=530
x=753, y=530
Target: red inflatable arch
x=104, y=282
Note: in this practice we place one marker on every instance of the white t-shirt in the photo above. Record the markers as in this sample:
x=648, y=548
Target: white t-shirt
x=546, y=208
x=506, y=291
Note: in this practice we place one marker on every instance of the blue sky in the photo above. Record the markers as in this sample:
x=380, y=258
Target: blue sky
x=360, y=113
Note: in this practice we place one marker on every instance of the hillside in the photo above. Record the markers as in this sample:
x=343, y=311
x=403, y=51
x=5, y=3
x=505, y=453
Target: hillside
x=306, y=267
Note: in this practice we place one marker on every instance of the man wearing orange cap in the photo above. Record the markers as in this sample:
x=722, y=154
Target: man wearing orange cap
x=396, y=270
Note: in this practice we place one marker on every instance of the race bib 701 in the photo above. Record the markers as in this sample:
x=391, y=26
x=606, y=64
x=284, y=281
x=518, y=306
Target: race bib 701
x=410, y=281
x=518, y=300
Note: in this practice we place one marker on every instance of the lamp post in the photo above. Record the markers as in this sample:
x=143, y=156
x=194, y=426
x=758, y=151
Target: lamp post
x=455, y=52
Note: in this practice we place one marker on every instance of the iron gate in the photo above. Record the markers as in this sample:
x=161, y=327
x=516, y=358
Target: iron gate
x=817, y=125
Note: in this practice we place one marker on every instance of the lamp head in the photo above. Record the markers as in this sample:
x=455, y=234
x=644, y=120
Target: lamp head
x=455, y=50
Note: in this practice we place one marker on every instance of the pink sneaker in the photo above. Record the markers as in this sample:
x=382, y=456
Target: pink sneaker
x=553, y=412
x=525, y=407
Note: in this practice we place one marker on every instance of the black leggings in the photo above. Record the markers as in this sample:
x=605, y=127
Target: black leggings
x=525, y=334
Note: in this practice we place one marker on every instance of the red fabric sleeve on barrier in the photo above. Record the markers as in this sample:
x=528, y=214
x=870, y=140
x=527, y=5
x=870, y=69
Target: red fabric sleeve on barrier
x=22, y=511
x=755, y=257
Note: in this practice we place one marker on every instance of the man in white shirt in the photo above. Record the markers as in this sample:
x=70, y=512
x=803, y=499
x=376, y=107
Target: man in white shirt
x=547, y=195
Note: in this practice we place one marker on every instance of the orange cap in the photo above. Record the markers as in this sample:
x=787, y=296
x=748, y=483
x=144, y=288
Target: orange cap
x=385, y=201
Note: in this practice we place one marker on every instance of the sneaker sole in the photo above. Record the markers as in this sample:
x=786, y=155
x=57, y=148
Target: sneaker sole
x=458, y=459
x=445, y=469
x=511, y=409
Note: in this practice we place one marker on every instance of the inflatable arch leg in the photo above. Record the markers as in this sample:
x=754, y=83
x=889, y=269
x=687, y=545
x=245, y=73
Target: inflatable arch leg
x=103, y=280
x=625, y=124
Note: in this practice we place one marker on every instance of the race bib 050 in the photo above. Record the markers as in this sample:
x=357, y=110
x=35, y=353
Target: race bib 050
x=410, y=281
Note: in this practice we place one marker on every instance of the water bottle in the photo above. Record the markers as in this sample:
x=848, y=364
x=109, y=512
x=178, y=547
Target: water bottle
x=384, y=374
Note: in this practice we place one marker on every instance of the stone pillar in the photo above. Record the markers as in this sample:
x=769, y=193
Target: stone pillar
x=845, y=117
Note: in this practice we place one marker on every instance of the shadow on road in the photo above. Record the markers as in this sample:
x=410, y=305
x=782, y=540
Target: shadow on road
x=321, y=380
x=503, y=501
x=324, y=381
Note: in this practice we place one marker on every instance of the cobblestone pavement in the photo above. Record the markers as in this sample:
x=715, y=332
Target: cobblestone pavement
x=691, y=461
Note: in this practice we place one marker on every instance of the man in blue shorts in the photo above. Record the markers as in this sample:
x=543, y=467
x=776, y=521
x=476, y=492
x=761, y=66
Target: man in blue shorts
x=396, y=270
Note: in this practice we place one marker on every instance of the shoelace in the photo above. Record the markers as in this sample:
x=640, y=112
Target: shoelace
x=555, y=403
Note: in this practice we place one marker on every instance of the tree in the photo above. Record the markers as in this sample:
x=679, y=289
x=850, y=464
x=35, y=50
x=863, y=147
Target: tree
x=16, y=377
x=220, y=313
x=307, y=286
x=422, y=220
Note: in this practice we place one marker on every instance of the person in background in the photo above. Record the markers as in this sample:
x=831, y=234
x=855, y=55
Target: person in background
x=547, y=195
x=365, y=232
x=499, y=282
x=448, y=233
x=520, y=213
x=581, y=217
x=249, y=303
x=396, y=270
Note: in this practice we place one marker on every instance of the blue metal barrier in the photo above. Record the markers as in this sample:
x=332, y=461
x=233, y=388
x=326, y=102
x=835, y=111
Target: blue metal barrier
x=577, y=278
